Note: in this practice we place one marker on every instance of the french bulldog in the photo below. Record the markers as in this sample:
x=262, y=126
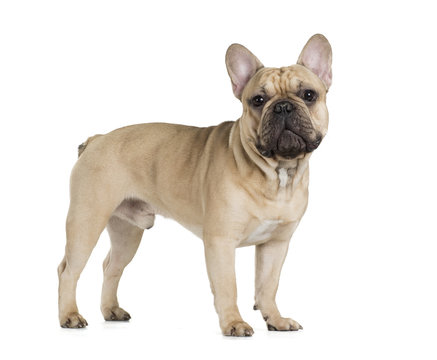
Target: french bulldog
x=239, y=183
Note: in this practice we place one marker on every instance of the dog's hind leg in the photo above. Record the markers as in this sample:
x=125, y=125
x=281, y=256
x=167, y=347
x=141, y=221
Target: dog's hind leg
x=125, y=239
x=91, y=205
x=125, y=228
x=82, y=235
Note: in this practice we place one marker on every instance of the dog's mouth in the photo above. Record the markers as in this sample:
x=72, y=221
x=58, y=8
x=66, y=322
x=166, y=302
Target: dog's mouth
x=287, y=134
x=289, y=145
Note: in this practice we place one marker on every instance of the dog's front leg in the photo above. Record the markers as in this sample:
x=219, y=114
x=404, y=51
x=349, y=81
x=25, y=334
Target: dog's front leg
x=269, y=259
x=220, y=262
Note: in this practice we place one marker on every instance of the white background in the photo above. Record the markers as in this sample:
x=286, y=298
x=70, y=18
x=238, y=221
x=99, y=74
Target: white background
x=361, y=272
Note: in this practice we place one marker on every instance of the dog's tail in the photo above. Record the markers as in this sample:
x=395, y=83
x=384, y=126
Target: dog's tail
x=83, y=146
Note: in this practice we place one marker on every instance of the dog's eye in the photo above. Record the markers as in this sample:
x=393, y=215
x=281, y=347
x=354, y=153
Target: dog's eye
x=309, y=95
x=257, y=100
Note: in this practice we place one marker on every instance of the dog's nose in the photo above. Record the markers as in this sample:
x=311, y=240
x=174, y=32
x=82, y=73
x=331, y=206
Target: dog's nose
x=283, y=107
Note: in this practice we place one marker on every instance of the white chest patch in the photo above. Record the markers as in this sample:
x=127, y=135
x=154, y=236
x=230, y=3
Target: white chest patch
x=263, y=231
x=283, y=177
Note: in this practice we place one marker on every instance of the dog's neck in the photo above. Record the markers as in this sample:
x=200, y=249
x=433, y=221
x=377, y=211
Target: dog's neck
x=291, y=171
x=284, y=172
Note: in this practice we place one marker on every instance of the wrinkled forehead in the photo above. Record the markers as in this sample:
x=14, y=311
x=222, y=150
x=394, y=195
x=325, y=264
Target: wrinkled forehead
x=286, y=81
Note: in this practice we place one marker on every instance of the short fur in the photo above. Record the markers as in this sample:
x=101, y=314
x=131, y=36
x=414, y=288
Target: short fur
x=215, y=181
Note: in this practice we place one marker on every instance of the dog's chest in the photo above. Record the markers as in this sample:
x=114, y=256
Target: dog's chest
x=283, y=177
x=262, y=232
x=282, y=206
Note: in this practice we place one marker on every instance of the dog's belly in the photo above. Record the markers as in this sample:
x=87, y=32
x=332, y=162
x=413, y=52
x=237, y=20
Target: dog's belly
x=142, y=214
x=136, y=212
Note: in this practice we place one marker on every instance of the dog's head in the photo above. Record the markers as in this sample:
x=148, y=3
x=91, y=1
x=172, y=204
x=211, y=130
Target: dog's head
x=284, y=109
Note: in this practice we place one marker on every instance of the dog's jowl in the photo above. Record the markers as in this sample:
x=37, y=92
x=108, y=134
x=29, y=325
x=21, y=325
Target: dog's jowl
x=236, y=184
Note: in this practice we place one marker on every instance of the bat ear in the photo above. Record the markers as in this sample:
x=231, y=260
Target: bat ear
x=241, y=65
x=317, y=56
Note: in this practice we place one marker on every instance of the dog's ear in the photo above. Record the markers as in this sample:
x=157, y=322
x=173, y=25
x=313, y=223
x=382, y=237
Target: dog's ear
x=241, y=65
x=317, y=56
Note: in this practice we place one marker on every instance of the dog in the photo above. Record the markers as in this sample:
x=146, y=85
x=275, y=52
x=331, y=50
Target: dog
x=236, y=184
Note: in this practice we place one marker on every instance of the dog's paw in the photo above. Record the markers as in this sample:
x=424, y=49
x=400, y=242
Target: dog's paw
x=73, y=321
x=282, y=324
x=115, y=314
x=237, y=328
